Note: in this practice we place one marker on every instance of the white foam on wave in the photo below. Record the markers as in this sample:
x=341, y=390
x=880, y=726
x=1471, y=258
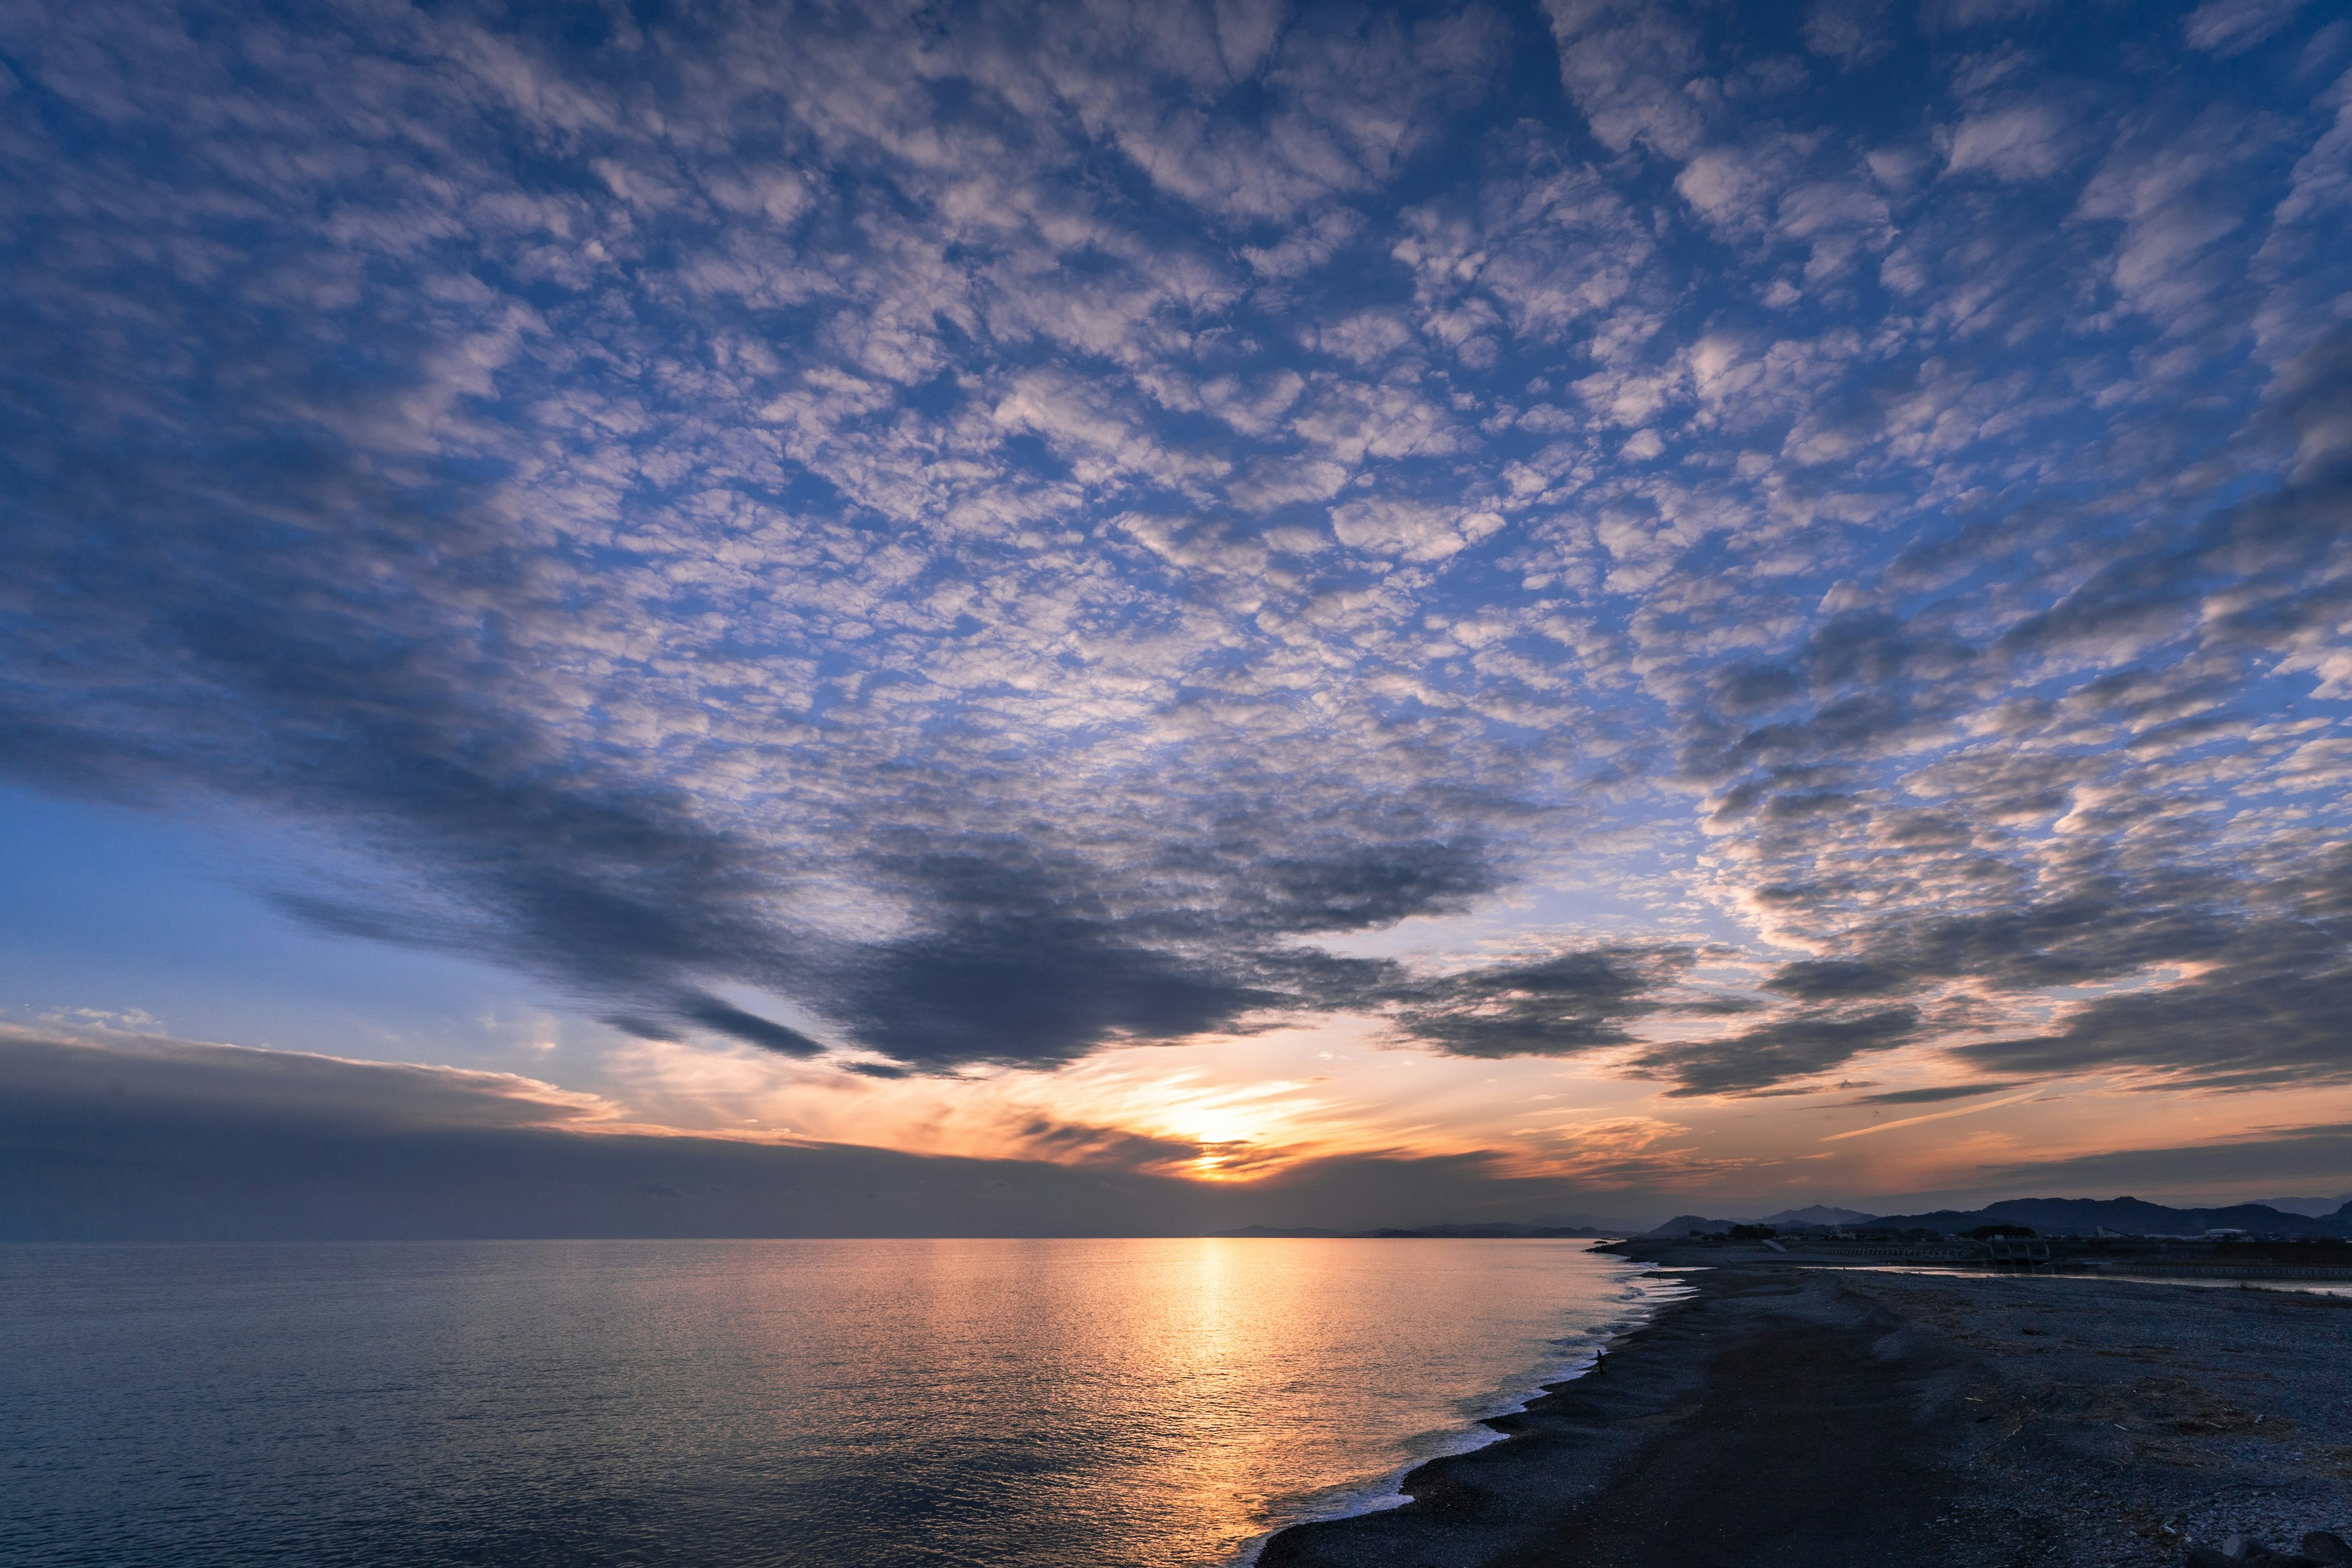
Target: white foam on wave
x=1647, y=1288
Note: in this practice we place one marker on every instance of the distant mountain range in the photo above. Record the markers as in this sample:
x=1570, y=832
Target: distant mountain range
x=1612, y=1224
x=2061, y=1216
x=1818, y=1214
x=1683, y=1224
x=2049, y=1216
x=2317, y=1209
x=2127, y=1216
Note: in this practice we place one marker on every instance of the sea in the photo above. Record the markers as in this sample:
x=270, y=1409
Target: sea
x=883, y=1402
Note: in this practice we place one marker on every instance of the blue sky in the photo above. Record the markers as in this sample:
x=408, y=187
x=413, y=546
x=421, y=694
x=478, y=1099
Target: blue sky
x=1009, y=579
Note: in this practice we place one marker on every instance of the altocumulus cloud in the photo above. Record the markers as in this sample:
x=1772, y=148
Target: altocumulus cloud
x=1011, y=527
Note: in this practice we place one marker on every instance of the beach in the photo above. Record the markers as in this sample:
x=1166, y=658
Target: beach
x=1793, y=1416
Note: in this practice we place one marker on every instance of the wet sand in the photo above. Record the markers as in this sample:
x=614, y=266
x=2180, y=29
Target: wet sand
x=1823, y=1417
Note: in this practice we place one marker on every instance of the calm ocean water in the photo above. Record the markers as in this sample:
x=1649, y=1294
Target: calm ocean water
x=835, y=1402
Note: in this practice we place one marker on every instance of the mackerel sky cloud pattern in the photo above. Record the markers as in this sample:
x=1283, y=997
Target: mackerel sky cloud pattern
x=1014, y=530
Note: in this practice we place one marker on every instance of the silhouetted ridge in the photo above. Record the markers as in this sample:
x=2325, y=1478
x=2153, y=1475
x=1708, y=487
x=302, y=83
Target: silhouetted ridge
x=1683, y=1224
x=2126, y=1217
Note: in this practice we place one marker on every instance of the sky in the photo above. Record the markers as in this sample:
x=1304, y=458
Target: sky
x=1284, y=614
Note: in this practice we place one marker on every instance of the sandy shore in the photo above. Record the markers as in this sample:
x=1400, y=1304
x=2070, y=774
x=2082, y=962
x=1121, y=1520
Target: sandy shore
x=1803, y=1416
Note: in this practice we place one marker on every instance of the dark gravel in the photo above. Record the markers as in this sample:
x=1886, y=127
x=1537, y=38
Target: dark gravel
x=1825, y=1418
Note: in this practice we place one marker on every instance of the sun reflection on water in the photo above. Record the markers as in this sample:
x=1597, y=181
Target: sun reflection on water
x=1028, y=1404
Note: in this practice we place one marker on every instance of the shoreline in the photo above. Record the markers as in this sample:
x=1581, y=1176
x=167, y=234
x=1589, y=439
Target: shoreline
x=1784, y=1416
x=1389, y=1490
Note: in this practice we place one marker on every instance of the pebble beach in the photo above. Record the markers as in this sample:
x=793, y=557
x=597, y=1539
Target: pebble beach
x=1786, y=1416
